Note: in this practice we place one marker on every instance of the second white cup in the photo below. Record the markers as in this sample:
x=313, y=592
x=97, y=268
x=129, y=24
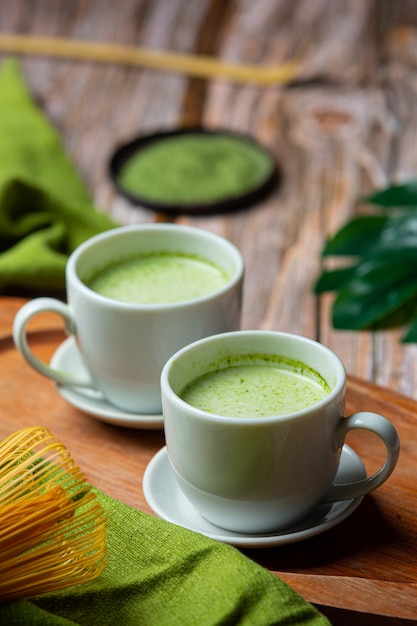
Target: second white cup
x=255, y=429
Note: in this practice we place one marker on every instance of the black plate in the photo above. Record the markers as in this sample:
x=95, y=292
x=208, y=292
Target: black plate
x=124, y=152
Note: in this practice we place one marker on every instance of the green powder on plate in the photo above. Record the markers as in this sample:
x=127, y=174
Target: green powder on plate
x=196, y=168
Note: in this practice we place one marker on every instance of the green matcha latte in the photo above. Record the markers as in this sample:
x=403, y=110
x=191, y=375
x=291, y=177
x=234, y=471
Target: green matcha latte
x=256, y=386
x=158, y=278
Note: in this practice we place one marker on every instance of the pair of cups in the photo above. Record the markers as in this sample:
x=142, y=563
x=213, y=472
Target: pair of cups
x=244, y=474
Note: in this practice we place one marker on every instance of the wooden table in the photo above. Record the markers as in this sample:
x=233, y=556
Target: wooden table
x=344, y=127
x=363, y=571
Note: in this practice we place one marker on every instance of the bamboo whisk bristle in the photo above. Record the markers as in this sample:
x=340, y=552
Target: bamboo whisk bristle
x=52, y=526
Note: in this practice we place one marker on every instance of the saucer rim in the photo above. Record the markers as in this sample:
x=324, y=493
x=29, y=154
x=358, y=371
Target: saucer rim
x=160, y=463
x=99, y=409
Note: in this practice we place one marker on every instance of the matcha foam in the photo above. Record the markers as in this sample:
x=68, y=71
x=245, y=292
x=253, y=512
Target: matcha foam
x=158, y=278
x=267, y=387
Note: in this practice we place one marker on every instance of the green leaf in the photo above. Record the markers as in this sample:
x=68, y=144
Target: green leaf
x=334, y=279
x=411, y=334
x=381, y=285
x=389, y=266
x=352, y=313
x=363, y=234
x=379, y=290
x=399, y=317
x=399, y=232
x=396, y=196
x=357, y=237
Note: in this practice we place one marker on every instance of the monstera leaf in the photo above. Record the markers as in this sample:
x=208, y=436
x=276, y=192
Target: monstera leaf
x=377, y=289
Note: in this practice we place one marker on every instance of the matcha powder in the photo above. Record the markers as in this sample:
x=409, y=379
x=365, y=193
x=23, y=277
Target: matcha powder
x=196, y=168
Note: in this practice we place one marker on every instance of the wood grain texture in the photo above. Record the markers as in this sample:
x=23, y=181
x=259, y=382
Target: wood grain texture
x=347, y=125
x=365, y=565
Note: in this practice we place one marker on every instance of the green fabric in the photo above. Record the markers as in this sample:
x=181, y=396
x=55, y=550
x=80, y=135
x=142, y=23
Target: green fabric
x=45, y=208
x=160, y=574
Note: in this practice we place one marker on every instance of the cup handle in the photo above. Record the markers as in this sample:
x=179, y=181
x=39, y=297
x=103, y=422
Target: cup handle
x=22, y=319
x=386, y=431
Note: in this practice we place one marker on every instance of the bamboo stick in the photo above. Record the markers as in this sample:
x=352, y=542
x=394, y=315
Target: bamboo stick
x=194, y=65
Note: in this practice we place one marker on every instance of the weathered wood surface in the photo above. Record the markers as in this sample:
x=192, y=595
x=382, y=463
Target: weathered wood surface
x=346, y=126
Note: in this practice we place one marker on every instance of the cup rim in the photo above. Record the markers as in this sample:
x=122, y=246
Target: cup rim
x=216, y=418
x=233, y=251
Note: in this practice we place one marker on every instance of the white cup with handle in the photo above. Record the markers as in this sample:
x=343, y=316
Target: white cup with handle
x=255, y=428
x=126, y=344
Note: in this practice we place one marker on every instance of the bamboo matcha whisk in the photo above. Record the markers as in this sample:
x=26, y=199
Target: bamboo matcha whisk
x=52, y=526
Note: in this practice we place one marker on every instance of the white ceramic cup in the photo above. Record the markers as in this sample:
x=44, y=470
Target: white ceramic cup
x=126, y=345
x=260, y=474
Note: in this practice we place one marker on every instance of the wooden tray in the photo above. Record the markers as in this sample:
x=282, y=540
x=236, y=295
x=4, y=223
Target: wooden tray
x=367, y=564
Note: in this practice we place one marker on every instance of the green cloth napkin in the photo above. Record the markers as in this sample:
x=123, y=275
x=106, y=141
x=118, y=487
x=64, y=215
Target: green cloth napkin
x=161, y=574
x=45, y=208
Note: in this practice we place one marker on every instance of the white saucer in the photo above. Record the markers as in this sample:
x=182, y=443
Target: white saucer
x=165, y=498
x=67, y=358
